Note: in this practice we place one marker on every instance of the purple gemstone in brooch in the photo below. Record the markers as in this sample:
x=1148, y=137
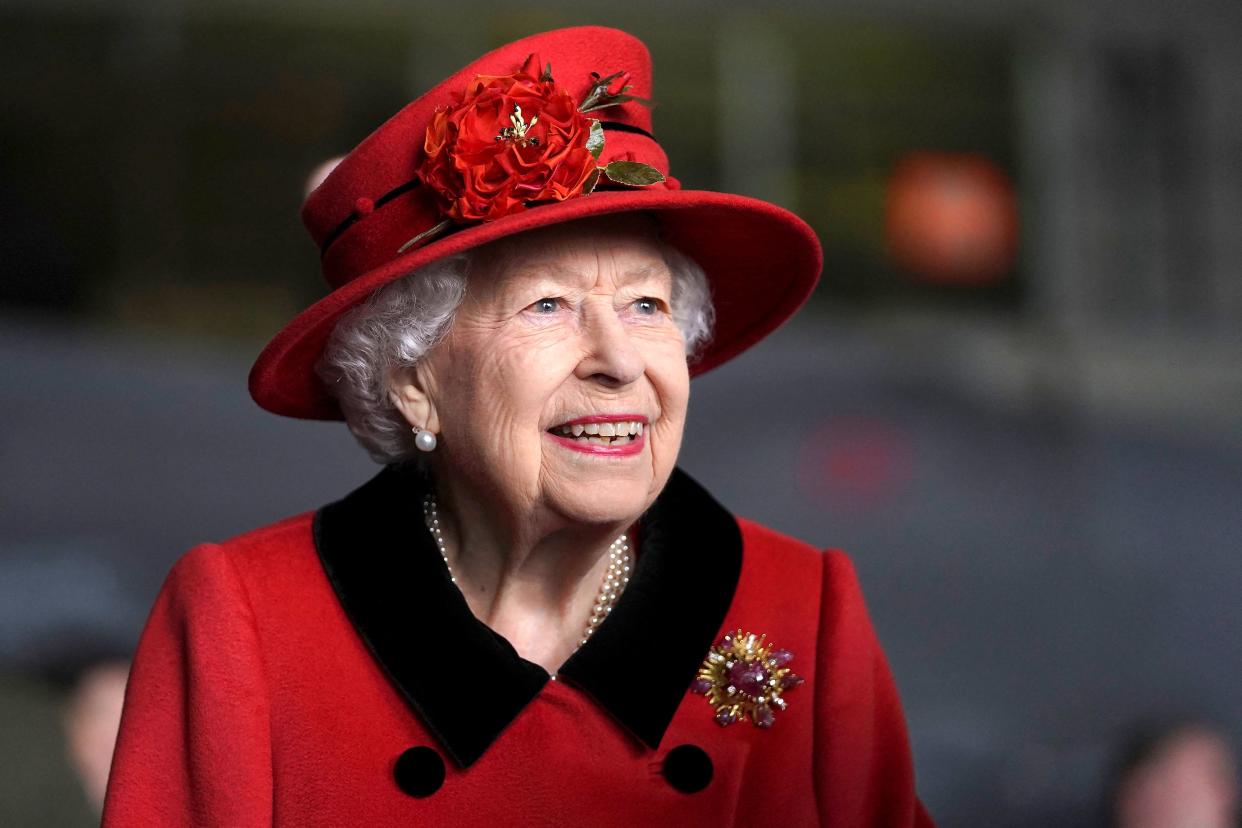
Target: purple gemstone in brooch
x=743, y=676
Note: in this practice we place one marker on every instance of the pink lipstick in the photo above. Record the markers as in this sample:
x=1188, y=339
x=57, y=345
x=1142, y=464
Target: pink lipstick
x=613, y=435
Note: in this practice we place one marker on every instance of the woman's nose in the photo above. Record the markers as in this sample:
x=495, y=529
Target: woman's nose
x=611, y=355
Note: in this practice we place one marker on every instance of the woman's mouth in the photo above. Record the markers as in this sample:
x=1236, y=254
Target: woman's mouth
x=601, y=435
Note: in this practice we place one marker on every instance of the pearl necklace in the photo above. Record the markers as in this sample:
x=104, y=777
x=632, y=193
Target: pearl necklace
x=620, y=564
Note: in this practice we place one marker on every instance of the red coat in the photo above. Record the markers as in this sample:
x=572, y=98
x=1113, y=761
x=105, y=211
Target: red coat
x=324, y=671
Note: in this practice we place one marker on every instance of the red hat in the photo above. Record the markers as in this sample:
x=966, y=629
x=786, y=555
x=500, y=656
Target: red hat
x=505, y=146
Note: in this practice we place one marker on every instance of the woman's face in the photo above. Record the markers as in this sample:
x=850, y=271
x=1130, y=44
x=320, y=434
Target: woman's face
x=562, y=332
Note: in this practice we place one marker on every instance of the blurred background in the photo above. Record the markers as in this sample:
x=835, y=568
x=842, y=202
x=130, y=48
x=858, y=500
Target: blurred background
x=1015, y=399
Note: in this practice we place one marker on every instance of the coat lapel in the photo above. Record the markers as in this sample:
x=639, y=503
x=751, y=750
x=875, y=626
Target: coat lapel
x=389, y=578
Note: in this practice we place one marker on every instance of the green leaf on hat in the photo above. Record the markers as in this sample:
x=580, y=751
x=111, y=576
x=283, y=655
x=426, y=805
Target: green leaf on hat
x=598, y=96
x=595, y=141
x=591, y=181
x=633, y=173
x=615, y=100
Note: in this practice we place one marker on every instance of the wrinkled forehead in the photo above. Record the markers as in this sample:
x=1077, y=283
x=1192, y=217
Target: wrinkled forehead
x=622, y=248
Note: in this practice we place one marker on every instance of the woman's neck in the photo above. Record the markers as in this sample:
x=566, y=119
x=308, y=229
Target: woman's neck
x=531, y=578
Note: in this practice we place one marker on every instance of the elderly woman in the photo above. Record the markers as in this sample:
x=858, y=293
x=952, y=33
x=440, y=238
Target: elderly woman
x=529, y=616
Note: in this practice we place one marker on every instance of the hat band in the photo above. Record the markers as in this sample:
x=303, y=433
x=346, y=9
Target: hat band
x=366, y=207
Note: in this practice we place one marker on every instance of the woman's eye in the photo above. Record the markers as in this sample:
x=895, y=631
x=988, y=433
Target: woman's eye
x=647, y=306
x=545, y=305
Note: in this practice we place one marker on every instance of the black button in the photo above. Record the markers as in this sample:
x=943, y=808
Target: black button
x=688, y=768
x=419, y=771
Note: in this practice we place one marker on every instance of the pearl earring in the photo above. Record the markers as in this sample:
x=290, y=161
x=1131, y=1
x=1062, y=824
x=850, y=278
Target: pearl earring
x=424, y=440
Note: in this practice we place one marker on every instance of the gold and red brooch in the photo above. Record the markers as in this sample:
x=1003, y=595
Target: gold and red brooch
x=744, y=677
x=516, y=140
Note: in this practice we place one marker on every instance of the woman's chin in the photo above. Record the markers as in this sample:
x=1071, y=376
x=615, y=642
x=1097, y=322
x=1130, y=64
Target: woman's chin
x=594, y=499
x=595, y=483
x=596, y=514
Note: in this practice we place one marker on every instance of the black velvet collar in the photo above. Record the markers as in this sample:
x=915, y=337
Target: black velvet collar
x=466, y=682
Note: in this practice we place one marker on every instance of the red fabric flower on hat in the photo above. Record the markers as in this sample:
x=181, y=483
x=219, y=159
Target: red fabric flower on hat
x=512, y=139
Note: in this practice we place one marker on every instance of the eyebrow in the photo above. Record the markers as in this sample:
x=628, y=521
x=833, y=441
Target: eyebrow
x=555, y=272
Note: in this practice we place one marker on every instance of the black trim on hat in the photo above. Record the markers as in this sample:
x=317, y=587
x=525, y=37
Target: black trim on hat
x=355, y=216
x=618, y=126
x=466, y=682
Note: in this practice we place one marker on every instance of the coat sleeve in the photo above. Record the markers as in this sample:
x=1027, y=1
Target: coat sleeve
x=195, y=742
x=864, y=774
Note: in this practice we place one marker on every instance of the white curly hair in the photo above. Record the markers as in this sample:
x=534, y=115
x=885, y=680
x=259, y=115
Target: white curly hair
x=401, y=322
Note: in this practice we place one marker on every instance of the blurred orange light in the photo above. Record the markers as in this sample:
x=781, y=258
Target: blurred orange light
x=951, y=218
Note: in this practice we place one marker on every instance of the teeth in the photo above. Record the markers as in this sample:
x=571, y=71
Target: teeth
x=611, y=433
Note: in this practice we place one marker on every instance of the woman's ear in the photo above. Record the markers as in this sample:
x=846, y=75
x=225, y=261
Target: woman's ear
x=407, y=389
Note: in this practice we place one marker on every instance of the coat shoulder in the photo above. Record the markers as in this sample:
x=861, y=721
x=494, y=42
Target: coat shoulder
x=773, y=554
x=291, y=531
x=268, y=555
x=788, y=550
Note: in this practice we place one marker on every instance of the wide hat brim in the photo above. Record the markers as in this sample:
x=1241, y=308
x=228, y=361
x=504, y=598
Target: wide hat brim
x=762, y=263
